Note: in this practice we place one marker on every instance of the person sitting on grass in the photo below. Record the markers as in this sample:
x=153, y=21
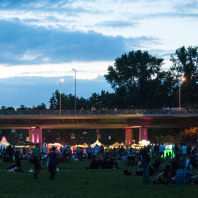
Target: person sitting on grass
x=164, y=177
x=157, y=164
x=100, y=162
x=17, y=166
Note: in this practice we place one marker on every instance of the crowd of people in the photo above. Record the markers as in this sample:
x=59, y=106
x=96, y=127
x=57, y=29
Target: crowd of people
x=169, y=168
x=150, y=160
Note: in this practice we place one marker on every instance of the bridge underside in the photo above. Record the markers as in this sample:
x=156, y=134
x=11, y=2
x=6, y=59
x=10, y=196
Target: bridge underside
x=100, y=122
x=35, y=124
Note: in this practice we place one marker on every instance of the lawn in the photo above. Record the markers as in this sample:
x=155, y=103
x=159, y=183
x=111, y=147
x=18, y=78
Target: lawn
x=73, y=180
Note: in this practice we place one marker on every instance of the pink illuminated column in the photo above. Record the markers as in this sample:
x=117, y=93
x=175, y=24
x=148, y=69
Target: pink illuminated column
x=143, y=133
x=38, y=135
x=35, y=135
x=128, y=136
x=32, y=135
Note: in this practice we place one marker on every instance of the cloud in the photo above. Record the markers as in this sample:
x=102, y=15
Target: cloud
x=85, y=70
x=87, y=15
x=84, y=29
x=48, y=38
x=20, y=44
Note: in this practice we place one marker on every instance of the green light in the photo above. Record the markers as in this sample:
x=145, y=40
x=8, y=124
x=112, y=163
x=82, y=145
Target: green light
x=167, y=151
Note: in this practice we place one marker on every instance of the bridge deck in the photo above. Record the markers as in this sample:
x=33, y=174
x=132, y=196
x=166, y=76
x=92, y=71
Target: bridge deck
x=95, y=120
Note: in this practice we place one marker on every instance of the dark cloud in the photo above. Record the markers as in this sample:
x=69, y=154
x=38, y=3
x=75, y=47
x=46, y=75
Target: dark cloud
x=59, y=46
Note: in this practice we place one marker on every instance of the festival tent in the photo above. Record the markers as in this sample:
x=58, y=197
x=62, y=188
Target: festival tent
x=96, y=142
x=4, y=142
x=116, y=145
x=57, y=145
x=82, y=145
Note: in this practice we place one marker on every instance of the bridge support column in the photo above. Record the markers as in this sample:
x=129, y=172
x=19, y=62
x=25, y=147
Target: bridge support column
x=98, y=134
x=128, y=136
x=35, y=135
x=143, y=133
x=31, y=135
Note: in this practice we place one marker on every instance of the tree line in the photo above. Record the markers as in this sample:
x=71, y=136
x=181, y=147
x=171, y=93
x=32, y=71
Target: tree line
x=139, y=81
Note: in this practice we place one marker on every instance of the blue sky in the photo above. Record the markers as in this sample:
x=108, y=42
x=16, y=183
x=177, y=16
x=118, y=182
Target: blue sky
x=41, y=41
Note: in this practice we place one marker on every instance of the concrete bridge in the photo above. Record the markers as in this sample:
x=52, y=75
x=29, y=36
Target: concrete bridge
x=35, y=121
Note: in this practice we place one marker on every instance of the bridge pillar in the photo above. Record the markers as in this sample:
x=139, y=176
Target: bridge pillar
x=128, y=136
x=35, y=135
x=143, y=133
x=98, y=134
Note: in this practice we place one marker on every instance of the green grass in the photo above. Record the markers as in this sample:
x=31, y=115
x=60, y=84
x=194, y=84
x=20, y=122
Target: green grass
x=73, y=180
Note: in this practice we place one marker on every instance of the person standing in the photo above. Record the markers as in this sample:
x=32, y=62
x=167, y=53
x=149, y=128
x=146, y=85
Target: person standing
x=67, y=153
x=10, y=153
x=96, y=150
x=44, y=150
x=52, y=163
x=161, y=150
x=1, y=152
x=89, y=151
x=37, y=161
x=176, y=151
x=145, y=162
x=184, y=152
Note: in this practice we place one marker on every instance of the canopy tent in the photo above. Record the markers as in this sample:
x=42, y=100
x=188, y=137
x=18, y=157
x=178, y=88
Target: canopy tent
x=116, y=145
x=4, y=142
x=96, y=142
x=82, y=145
x=57, y=145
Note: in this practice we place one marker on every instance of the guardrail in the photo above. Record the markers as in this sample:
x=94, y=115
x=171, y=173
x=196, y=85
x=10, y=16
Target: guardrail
x=166, y=111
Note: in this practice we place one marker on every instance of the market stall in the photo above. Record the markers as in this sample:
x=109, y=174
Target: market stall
x=4, y=142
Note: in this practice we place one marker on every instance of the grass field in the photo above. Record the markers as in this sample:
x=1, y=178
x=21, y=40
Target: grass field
x=73, y=180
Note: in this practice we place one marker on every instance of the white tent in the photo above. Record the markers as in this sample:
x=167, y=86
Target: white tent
x=81, y=145
x=50, y=145
x=96, y=142
x=4, y=142
x=116, y=145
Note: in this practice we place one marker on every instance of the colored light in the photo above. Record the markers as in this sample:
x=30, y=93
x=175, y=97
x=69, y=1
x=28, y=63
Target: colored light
x=3, y=139
x=37, y=138
x=33, y=138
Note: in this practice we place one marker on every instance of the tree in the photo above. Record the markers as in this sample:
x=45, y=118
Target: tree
x=81, y=103
x=42, y=106
x=185, y=64
x=105, y=100
x=7, y=108
x=136, y=76
x=23, y=108
x=67, y=102
x=53, y=102
x=188, y=136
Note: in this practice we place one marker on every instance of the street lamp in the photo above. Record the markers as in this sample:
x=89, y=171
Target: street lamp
x=181, y=80
x=61, y=80
x=75, y=91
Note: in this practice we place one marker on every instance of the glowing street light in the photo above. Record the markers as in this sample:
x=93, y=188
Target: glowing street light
x=75, y=91
x=61, y=80
x=181, y=80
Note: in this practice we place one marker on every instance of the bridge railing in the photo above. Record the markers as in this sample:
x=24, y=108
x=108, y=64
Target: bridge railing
x=98, y=112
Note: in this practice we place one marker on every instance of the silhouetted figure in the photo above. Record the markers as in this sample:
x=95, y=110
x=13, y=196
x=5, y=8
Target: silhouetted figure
x=37, y=159
x=52, y=163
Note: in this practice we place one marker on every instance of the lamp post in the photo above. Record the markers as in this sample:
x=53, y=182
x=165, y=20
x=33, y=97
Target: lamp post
x=61, y=80
x=181, y=80
x=75, y=91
